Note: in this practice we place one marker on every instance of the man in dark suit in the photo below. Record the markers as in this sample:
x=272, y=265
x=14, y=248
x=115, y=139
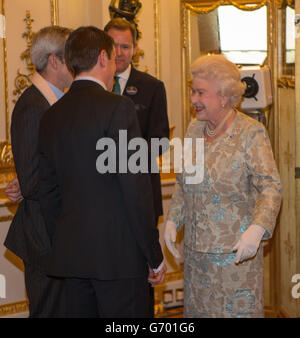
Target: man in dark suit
x=27, y=236
x=102, y=225
x=148, y=95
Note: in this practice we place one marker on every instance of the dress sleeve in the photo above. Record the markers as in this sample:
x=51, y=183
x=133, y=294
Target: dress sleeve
x=264, y=178
x=176, y=212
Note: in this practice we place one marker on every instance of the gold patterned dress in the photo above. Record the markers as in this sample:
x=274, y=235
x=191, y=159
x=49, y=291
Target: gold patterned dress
x=240, y=187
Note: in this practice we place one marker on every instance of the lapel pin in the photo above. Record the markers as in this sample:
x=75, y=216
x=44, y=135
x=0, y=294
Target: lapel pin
x=131, y=90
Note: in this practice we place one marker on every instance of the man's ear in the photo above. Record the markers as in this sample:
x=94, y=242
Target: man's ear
x=52, y=61
x=102, y=58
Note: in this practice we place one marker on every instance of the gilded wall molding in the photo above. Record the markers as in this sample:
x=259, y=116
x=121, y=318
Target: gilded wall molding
x=54, y=12
x=5, y=73
x=23, y=81
x=6, y=157
x=284, y=3
x=7, y=218
x=204, y=7
x=157, y=37
x=286, y=82
x=13, y=308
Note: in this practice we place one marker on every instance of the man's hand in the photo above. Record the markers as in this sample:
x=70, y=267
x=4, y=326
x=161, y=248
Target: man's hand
x=157, y=278
x=13, y=191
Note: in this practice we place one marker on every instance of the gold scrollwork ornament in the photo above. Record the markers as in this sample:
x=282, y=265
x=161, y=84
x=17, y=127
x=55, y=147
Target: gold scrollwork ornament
x=242, y=5
x=22, y=81
x=204, y=10
x=6, y=157
x=284, y=3
x=250, y=7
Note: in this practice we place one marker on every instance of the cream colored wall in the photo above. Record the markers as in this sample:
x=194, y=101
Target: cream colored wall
x=170, y=61
x=74, y=13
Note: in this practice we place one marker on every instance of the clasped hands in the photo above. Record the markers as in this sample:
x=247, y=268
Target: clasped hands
x=246, y=247
x=13, y=191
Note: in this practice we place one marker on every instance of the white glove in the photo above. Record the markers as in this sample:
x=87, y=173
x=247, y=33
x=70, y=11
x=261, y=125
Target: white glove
x=170, y=238
x=248, y=244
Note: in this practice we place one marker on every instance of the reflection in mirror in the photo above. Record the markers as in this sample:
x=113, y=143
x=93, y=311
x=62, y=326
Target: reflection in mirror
x=240, y=35
x=243, y=35
x=289, y=50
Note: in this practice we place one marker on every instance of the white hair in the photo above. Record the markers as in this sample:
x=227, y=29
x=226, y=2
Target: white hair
x=49, y=40
x=225, y=73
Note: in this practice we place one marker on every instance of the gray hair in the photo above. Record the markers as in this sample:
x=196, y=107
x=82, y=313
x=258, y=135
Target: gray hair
x=225, y=73
x=49, y=40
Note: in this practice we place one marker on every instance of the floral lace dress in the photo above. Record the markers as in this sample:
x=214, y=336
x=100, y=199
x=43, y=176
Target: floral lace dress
x=240, y=187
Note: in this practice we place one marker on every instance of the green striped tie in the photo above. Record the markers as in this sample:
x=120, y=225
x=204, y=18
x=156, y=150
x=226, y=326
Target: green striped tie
x=117, y=87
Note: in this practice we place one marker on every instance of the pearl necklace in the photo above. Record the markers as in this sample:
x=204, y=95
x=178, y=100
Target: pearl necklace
x=214, y=132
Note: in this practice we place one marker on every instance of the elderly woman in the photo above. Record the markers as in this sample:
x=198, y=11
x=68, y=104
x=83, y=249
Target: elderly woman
x=233, y=209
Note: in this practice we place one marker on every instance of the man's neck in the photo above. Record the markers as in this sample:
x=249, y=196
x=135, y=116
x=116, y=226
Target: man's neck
x=90, y=78
x=125, y=73
x=51, y=79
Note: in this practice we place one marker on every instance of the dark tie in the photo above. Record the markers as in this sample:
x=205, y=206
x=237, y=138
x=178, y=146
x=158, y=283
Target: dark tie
x=117, y=88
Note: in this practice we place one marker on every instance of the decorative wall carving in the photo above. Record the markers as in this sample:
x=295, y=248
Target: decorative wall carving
x=128, y=9
x=23, y=81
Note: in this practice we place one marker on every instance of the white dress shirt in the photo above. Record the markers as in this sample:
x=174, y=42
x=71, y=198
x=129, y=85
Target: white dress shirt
x=123, y=78
x=90, y=78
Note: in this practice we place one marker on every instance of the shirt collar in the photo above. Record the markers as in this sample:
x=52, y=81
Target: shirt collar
x=57, y=92
x=125, y=75
x=91, y=78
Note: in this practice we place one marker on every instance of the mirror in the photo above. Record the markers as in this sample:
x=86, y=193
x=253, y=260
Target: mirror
x=288, y=48
x=230, y=31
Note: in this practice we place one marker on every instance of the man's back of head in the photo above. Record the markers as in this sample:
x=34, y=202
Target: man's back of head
x=49, y=40
x=84, y=46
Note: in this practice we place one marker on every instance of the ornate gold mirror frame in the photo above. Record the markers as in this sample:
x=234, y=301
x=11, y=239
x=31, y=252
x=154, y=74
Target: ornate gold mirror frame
x=204, y=7
x=286, y=77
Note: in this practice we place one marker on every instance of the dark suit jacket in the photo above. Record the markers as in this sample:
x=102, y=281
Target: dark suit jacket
x=102, y=225
x=27, y=236
x=149, y=97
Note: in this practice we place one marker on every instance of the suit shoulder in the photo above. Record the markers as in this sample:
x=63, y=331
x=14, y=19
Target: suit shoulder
x=119, y=99
x=31, y=100
x=31, y=93
x=113, y=100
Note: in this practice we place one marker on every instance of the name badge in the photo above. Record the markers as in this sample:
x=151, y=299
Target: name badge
x=131, y=90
